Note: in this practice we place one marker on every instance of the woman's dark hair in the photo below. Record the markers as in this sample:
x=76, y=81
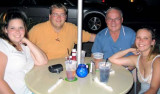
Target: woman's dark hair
x=8, y=16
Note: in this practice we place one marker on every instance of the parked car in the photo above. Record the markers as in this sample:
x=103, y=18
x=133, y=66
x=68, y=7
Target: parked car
x=38, y=11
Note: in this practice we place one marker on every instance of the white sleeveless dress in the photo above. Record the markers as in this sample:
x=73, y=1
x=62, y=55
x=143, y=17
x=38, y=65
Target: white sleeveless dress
x=145, y=82
x=19, y=63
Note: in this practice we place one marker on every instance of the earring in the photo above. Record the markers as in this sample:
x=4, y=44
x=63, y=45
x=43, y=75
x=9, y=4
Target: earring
x=152, y=46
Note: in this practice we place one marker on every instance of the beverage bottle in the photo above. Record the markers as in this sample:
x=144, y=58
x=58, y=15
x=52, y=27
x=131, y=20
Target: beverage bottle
x=70, y=57
x=74, y=56
x=74, y=51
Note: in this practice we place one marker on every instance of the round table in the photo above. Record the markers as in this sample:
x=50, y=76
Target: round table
x=39, y=80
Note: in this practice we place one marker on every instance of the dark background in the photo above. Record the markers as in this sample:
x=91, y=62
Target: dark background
x=136, y=13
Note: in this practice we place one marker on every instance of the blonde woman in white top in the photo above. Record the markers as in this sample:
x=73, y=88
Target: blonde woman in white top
x=17, y=54
x=147, y=61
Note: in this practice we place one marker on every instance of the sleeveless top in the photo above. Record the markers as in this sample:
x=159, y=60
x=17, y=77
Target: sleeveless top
x=145, y=82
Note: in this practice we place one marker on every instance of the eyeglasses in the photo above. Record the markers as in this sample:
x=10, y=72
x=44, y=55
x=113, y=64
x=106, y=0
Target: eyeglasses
x=115, y=20
x=58, y=15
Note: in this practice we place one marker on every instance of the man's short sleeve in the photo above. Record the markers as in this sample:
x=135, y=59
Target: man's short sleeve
x=86, y=36
x=32, y=34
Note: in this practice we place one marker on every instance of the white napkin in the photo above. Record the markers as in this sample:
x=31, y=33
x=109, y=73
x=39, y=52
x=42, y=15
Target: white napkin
x=55, y=85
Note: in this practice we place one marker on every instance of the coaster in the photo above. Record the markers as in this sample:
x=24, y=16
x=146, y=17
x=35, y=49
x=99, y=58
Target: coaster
x=97, y=70
x=88, y=65
x=75, y=79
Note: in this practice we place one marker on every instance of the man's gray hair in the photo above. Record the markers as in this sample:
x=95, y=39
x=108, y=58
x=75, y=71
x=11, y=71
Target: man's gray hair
x=114, y=8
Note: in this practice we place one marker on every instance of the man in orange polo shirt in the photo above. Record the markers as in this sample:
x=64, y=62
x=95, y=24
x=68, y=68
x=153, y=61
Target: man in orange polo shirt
x=55, y=36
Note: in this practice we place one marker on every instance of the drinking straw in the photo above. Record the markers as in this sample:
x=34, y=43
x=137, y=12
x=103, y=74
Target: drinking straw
x=106, y=61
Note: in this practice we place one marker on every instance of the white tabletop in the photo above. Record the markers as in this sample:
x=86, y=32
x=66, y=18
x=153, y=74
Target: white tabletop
x=39, y=80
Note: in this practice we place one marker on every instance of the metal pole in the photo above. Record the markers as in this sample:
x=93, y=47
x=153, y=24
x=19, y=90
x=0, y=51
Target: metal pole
x=79, y=42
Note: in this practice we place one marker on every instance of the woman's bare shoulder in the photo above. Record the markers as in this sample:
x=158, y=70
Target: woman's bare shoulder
x=157, y=61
